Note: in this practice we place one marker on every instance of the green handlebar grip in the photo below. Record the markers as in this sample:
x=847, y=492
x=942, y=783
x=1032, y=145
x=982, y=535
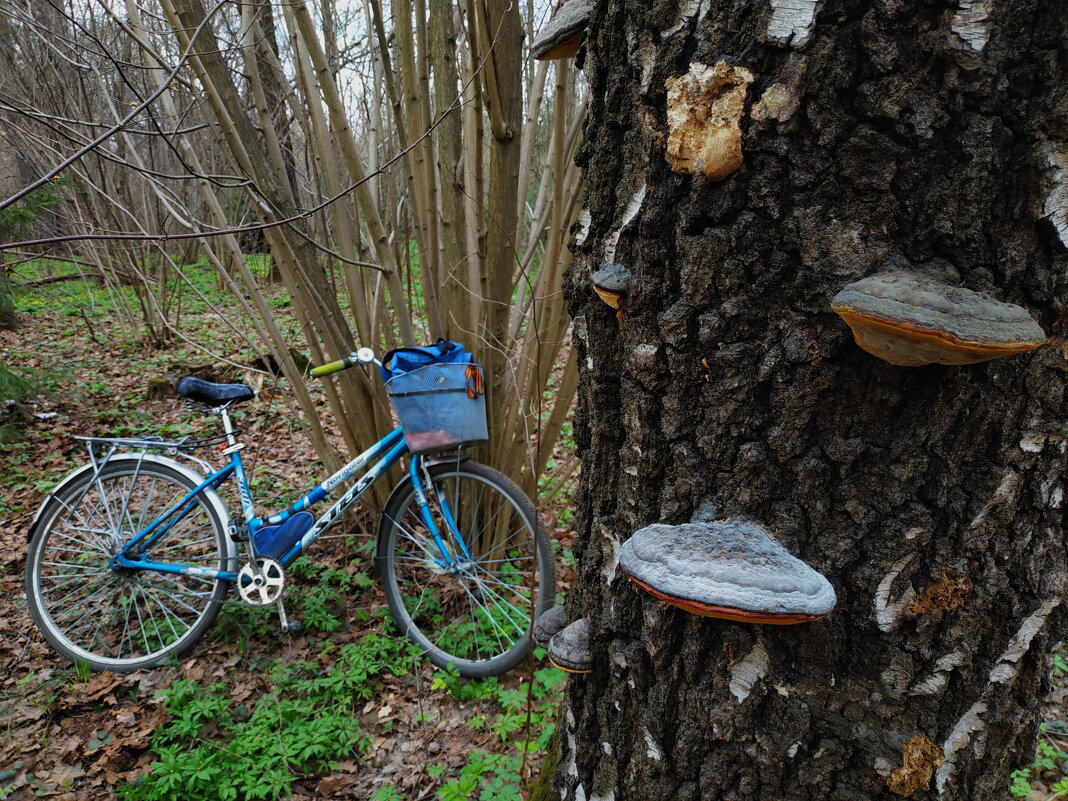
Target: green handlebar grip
x=332, y=367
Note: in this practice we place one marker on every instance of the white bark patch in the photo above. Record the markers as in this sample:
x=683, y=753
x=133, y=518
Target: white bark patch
x=1056, y=498
x=971, y=23
x=888, y=614
x=748, y=671
x=791, y=21
x=791, y=752
x=1033, y=443
x=884, y=767
x=704, y=109
x=584, y=220
x=572, y=749
x=607, y=748
x=580, y=793
x=652, y=749
x=647, y=58
x=1006, y=491
x=692, y=9
x=612, y=562
x=969, y=723
x=629, y=213
x=1008, y=664
x=935, y=684
x=1056, y=206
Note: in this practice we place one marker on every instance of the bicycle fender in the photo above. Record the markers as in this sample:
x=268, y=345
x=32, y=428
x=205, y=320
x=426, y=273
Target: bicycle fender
x=210, y=495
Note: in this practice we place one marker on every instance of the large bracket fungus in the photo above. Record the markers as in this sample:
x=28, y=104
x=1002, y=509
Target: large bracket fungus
x=910, y=317
x=569, y=648
x=547, y=624
x=562, y=35
x=704, y=109
x=729, y=569
x=612, y=282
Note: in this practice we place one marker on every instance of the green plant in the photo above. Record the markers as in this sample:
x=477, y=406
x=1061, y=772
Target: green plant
x=496, y=777
x=213, y=750
x=1050, y=765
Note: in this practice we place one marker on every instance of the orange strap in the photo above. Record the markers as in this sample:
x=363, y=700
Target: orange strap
x=475, y=385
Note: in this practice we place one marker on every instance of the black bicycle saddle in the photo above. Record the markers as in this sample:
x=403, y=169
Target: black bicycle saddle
x=210, y=394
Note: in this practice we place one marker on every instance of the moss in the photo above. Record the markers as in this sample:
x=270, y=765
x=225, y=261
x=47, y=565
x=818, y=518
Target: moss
x=541, y=789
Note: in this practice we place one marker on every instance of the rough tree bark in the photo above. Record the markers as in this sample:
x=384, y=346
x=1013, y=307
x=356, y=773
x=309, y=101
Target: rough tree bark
x=933, y=129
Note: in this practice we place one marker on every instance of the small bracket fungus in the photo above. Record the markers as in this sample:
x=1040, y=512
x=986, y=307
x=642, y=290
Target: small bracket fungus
x=704, y=108
x=562, y=35
x=612, y=282
x=548, y=624
x=569, y=648
x=910, y=318
x=730, y=569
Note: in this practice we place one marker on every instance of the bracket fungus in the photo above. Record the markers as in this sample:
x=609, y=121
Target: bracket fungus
x=569, y=648
x=729, y=569
x=547, y=624
x=704, y=109
x=612, y=282
x=562, y=35
x=911, y=317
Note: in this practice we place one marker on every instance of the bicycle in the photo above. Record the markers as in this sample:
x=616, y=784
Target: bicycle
x=132, y=555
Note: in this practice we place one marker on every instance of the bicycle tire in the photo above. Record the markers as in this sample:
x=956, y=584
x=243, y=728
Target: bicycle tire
x=478, y=619
x=89, y=611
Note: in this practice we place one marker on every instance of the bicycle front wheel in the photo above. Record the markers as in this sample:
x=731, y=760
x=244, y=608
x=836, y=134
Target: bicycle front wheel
x=111, y=617
x=472, y=605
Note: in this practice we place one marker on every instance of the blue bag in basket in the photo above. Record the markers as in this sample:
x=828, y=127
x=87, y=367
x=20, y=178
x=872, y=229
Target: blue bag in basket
x=404, y=360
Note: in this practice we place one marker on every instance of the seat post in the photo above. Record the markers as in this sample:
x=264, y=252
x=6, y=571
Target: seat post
x=228, y=427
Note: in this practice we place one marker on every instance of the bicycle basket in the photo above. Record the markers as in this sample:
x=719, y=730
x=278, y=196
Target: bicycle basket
x=440, y=407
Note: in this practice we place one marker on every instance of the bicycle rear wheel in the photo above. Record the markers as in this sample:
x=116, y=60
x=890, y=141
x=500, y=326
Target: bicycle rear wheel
x=114, y=618
x=477, y=613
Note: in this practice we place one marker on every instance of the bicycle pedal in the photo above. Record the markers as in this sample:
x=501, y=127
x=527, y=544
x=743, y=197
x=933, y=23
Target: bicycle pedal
x=288, y=626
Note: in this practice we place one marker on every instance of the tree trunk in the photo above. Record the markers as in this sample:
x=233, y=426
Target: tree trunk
x=931, y=497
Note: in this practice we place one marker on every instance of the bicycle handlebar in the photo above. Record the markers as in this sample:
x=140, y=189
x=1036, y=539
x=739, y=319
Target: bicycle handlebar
x=332, y=367
x=362, y=356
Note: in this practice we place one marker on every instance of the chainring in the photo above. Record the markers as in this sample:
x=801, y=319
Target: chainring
x=261, y=584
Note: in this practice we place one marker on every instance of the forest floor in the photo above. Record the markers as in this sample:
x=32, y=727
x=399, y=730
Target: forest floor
x=344, y=710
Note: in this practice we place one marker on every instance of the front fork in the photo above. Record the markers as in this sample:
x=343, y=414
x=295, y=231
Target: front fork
x=423, y=486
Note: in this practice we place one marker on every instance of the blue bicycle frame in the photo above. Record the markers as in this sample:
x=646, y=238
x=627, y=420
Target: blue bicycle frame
x=388, y=451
